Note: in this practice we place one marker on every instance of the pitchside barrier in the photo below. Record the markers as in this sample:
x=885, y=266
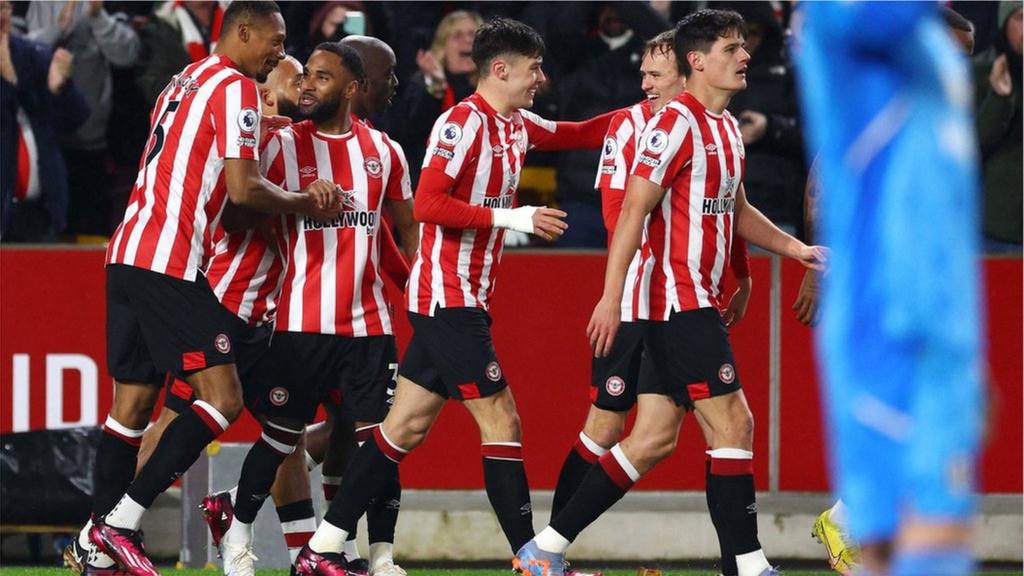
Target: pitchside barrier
x=52, y=347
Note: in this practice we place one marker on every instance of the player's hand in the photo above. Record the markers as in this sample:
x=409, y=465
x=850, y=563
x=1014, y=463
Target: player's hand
x=806, y=304
x=813, y=257
x=604, y=323
x=322, y=200
x=548, y=223
x=60, y=70
x=737, y=307
x=753, y=126
x=999, y=77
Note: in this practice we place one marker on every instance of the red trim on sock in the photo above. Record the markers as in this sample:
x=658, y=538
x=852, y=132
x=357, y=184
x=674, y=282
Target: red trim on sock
x=136, y=442
x=282, y=436
x=393, y=454
x=615, y=472
x=501, y=451
x=698, y=391
x=193, y=360
x=469, y=391
x=585, y=452
x=732, y=466
x=297, y=539
x=366, y=433
x=209, y=420
x=273, y=449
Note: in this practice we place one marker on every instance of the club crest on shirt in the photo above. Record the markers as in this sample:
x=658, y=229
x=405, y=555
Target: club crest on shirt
x=248, y=119
x=656, y=141
x=373, y=166
x=451, y=133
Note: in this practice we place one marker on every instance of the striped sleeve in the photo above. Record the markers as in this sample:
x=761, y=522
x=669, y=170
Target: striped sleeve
x=452, y=140
x=236, y=115
x=666, y=146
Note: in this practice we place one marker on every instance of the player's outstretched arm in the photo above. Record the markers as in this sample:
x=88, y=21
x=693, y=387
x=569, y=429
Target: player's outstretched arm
x=435, y=205
x=641, y=197
x=757, y=229
x=249, y=189
x=549, y=135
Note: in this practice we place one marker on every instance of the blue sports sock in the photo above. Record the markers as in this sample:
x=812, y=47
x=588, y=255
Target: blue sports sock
x=933, y=562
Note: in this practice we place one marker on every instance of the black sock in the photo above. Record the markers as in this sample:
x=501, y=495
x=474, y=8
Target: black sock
x=260, y=469
x=732, y=482
x=116, y=458
x=727, y=564
x=603, y=486
x=180, y=446
x=382, y=514
x=508, y=491
x=577, y=463
x=372, y=466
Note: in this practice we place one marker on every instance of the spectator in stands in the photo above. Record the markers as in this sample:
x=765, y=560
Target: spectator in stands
x=179, y=33
x=97, y=40
x=767, y=112
x=446, y=75
x=37, y=103
x=607, y=78
x=999, y=122
x=330, y=23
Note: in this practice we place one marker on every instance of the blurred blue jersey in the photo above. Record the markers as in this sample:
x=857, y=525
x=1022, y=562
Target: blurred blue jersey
x=887, y=100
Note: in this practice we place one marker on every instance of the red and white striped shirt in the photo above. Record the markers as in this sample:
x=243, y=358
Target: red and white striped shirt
x=483, y=152
x=208, y=113
x=333, y=283
x=616, y=160
x=699, y=157
x=245, y=274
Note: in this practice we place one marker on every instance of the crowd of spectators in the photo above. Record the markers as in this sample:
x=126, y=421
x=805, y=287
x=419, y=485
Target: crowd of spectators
x=79, y=78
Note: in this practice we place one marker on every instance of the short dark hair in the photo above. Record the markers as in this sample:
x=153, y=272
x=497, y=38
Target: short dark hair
x=242, y=10
x=699, y=31
x=504, y=36
x=956, y=21
x=350, y=57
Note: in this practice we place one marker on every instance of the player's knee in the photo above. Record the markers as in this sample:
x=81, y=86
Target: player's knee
x=408, y=434
x=504, y=426
x=655, y=447
x=740, y=431
x=229, y=407
x=604, y=434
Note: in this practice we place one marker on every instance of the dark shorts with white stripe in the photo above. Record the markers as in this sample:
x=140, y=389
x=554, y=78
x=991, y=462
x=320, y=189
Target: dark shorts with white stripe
x=691, y=357
x=451, y=354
